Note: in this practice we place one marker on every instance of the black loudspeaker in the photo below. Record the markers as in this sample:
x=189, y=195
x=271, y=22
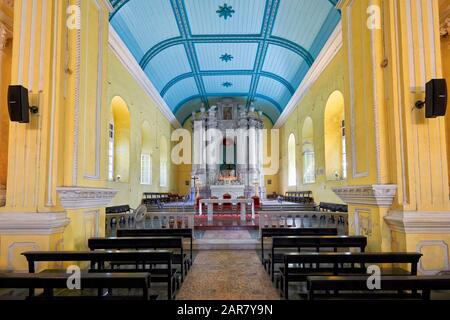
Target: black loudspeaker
x=18, y=105
x=436, y=98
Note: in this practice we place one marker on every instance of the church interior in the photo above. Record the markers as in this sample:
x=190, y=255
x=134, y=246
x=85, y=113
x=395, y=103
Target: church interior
x=224, y=150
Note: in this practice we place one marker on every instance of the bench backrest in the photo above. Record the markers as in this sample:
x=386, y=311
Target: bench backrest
x=389, y=282
x=185, y=233
x=281, y=232
x=95, y=256
x=136, y=243
x=118, y=209
x=355, y=258
x=334, y=207
x=320, y=242
x=59, y=280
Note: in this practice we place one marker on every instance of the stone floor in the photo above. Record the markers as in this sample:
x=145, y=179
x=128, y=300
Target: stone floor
x=227, y=275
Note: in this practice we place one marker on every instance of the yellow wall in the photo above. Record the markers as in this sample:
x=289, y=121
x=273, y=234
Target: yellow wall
x=5, y=79
x=445, y=53
x=312, y=105
x=142, y=110
x=268, y=153
x=5, y=56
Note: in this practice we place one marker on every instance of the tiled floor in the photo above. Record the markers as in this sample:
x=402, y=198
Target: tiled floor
x=227, y=275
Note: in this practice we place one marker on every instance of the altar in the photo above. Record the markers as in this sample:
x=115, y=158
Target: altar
x=234, y=190
x=228, y=151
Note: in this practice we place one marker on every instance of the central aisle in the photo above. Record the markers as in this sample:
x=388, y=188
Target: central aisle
x=227, y=275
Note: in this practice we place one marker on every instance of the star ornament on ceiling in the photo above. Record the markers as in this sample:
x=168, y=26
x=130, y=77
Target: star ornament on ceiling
x=225, y=11
x=226, y=57
x=227, y=84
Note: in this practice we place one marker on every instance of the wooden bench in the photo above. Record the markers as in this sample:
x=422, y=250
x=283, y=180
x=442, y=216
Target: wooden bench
x=149, y=198
x=98, y=260
x=146, y=243
x=122, y=211
x=297, y=266
x=282, y=232
x=312, y=242
x=333, y=207
x=299, y=196
x=357, y=286
x=58, y=280
x=184, y=233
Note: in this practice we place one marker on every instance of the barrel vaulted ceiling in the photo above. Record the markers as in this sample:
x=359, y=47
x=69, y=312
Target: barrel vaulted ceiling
x=196, y=51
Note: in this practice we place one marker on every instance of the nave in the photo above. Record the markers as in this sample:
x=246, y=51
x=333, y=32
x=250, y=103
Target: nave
x=285, y=150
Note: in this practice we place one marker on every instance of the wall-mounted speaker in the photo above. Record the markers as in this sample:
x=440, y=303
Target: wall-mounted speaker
x=18, y=105
x=436, y=98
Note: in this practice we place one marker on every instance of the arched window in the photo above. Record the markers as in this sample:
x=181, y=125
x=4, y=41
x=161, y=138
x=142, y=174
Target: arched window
x=309, y=166
x=292, y=160
x=146, y=155
x=163, y=161
x=119, y=141
x=335, y=155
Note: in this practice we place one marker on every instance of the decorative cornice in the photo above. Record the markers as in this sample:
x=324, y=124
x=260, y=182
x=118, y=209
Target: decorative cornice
x=33, y=223
x=329, y=51
x=8, y=3
x=374, y=195
x=444, y=28
x=418, y=222
x=5, y=35
x=2, y=195
x=73, y=198
x=130, y=63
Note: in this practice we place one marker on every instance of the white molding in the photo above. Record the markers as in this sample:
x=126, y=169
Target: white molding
x=76, y=114
x=85, y=198
x=418, y=222
x=376, y=104
x=327, y=54
x=33, y=246
x=374, y=195
x=124, y=55
x=54, y=85
x=362, y=226
x=33, y=223
x=108, y=5
x=99, y=98
x=433, y=243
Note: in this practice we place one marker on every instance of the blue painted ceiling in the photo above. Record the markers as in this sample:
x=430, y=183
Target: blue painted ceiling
x=196, y=51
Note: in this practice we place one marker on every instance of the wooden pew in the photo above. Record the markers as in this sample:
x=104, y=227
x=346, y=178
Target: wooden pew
x=333, y=207
x=341, y=263
x=283, y=232
x=98, y=260
x=357, y=285
x=146, y=243
x=314, y=242
x=58, y=280
x=121, y=212
x=184, y=233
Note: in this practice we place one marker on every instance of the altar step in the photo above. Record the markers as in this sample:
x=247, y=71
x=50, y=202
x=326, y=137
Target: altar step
x=227, y=240
x=226, y=244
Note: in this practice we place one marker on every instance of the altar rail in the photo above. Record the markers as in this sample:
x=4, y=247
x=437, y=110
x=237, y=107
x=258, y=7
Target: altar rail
x=305, y=219
x=153, y=220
